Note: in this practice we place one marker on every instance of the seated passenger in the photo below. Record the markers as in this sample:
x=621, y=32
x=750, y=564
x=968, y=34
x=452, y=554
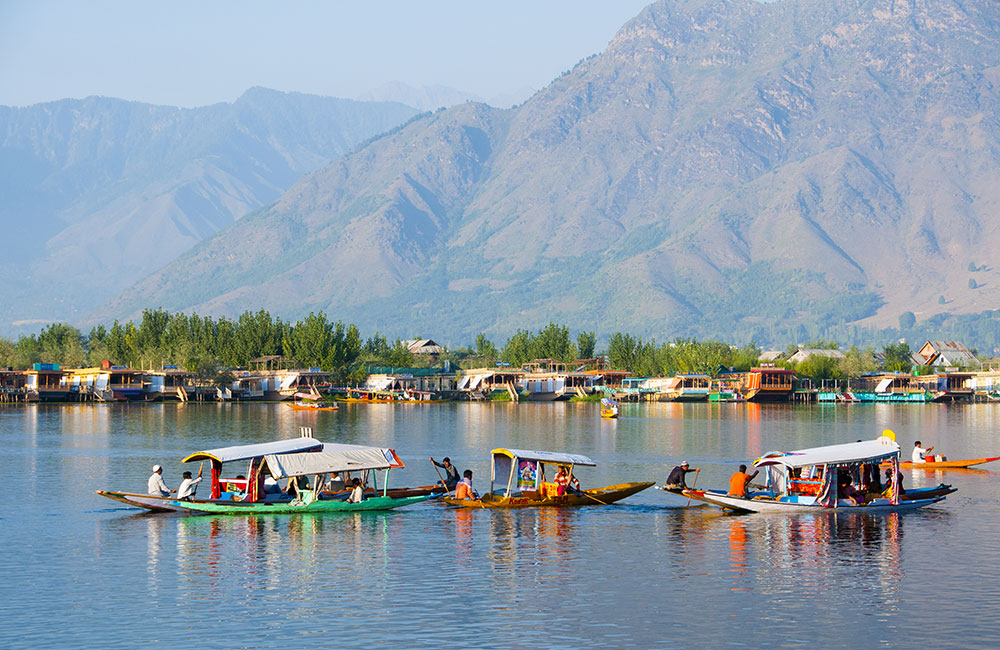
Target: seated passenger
x=357, y=492
x=849, y=492
x=463, y=490
x=738, y=482
x=336, y=483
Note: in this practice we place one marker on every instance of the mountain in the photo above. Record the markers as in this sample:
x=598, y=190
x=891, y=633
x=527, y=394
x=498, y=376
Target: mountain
x=100, y=192
x=436, y=96
x=724, y=168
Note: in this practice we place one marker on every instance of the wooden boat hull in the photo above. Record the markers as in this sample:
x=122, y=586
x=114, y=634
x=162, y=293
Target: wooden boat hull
x=770, y=505
x=322, y=506
x=169, y=504
x=948, y=464
x=915, y=494
x=593, y=497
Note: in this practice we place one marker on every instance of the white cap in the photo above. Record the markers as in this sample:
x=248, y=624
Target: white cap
x=156, y=468
x=683, y=463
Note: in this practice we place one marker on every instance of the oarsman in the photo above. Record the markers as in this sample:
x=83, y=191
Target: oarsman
x=189, y=486
x=450, y=472
x=155, y=485
x=677, y=475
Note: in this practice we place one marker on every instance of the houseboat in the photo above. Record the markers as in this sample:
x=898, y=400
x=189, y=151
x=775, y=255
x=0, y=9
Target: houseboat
x=682, y=387
x=763, y=384
x=44, y=383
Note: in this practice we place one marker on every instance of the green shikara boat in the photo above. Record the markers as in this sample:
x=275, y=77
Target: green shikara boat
x=305, y=504
x=317, y=464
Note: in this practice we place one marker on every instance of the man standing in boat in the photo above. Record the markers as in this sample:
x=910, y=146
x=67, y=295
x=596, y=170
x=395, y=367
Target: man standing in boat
x=155, y=485
x=676, y=479
x=450, y=472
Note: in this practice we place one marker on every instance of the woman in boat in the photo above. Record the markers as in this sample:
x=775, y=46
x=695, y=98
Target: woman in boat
x=849, y=492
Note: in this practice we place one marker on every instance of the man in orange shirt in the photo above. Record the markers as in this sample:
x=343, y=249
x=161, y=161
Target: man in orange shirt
x=738, y=482
x=463, y=490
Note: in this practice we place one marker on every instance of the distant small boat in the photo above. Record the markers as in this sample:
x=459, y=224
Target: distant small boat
x=609, y=408
x=947, y=464
x=311, y=402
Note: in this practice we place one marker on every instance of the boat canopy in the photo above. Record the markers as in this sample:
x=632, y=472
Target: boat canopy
x=855, y=452
x=883, y=385
x=308, y=396
x=246, y=452
x=545, y=456
x=519, y=469
x=332, y=458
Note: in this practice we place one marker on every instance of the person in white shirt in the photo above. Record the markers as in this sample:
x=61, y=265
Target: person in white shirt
x=357, y=493
x=189, y=486
x=155, y=485
x=919, y=453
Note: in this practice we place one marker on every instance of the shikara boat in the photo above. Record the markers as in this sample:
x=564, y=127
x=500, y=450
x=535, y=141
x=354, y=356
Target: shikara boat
x=609, y=408
x=947, y=464
x=518, y=481
x=316, y=464
x=223, y=490
x=311, y=402
x=785, y=492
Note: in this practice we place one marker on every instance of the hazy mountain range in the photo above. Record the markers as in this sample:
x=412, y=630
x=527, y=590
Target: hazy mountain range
x=99, y=192
x=723, y=168
x=436, y=96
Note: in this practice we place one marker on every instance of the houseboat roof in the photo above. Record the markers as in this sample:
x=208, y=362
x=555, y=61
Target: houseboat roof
x=545, y=456
x=334, y=457
x=246, y=452
x=854, y=452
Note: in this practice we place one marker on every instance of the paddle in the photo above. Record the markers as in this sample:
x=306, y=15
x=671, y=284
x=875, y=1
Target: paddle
x=447, y=491
x=594, y=498
x=693, y=484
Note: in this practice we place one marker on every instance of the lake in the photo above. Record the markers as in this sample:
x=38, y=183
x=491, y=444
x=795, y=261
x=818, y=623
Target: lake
x=648, y=572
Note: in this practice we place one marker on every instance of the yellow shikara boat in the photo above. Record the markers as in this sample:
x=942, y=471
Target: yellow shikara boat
x=518, y=481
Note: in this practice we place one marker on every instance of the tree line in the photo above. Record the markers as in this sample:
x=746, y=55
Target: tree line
x=209, y=346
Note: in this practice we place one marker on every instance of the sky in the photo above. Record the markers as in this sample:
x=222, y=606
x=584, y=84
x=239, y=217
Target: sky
x=187, y=53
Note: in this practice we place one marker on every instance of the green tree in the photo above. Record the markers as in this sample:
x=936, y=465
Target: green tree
x=897, y=357
x=586, y=342
x=907, y=320
x=858, y=362
x=485, y=347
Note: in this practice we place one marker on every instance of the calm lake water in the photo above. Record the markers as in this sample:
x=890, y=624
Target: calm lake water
x=649, y=572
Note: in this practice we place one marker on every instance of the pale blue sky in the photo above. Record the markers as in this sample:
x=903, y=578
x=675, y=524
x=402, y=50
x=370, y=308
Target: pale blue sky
x=189, y=53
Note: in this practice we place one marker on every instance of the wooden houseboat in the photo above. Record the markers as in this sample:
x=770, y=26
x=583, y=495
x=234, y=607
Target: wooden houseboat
x=888, y=387
x=763, y=384
x=682, y=387
x=12, y=385
x=44, y=383
x=547, y=380
x=481, y=383
x=947, y=386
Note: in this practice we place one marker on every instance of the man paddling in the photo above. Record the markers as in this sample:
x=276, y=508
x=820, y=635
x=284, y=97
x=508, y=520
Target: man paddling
x=920, y=454
x=676, y=479
x=450, y=472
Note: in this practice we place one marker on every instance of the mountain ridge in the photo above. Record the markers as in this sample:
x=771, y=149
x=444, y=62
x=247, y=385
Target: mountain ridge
x=103, y=191
x=728, y=168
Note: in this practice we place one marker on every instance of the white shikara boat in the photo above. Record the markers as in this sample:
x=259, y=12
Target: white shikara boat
x=786, y=491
